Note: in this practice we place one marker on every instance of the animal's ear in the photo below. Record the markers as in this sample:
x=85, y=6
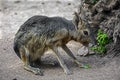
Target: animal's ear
x=81, y=24
x=76, y=20
x=79, y=9
x=81, y=14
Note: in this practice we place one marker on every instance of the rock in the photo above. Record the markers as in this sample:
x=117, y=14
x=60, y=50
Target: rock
x=83, y=51
x=17, y=2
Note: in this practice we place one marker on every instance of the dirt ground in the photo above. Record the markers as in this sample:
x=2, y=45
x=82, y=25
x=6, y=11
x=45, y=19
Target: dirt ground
x=13, y=13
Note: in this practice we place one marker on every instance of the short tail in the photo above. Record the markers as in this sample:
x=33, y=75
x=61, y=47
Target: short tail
x=16, y=49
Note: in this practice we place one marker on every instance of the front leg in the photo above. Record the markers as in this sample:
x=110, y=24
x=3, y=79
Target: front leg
x=67, y=50
x=61, y=61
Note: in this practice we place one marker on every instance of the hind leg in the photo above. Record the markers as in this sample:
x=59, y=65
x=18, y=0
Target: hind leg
x=38, y=62
x=24, y=53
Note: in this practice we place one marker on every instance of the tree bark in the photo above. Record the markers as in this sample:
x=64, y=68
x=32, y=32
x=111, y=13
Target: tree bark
x=105, y=14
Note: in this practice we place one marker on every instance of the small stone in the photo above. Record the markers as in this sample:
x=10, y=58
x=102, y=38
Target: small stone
x=17, y=1
x=59, y=2
x=69, y=3
x=83, y=51
x=42, y=3
x=14, y=79
x=5, y=7
x=15, y=13
x=4, y=49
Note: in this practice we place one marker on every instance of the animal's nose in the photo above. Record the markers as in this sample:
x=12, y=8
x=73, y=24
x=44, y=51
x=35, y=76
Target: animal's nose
x=93, y=43
x=93, y=40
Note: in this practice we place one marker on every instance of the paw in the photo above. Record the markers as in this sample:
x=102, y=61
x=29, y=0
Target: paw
x=67, y=71
x=79, y=64
x=38, y=71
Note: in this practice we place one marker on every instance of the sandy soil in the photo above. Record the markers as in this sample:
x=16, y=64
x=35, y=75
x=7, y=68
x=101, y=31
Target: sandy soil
x=13, y=13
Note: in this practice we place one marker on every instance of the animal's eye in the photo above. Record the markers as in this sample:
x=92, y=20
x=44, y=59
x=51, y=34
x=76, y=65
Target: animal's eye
x=85, y=33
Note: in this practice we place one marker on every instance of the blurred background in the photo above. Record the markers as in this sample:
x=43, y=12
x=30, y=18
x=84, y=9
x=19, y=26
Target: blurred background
x=13, y=13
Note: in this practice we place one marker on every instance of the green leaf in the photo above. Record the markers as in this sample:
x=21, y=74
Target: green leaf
x=86, y=66
x=102, y=40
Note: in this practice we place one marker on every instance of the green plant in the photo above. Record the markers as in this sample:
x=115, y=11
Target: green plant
x=86, y=66
x=102, y=40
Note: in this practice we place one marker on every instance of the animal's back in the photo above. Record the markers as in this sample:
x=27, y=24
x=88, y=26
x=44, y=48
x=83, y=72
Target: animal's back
x=37, y=30
x=45, y=24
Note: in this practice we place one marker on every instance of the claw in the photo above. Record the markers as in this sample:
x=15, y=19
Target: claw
x=36, y=71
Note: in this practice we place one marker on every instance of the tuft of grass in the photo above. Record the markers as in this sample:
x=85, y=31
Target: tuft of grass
x=102, y=40
x=86, y=66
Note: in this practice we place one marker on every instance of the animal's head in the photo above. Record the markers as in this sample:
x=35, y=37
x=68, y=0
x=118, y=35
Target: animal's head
x=84, y=33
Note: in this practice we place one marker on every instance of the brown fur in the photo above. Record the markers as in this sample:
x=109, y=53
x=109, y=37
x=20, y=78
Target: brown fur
x=40, y=33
